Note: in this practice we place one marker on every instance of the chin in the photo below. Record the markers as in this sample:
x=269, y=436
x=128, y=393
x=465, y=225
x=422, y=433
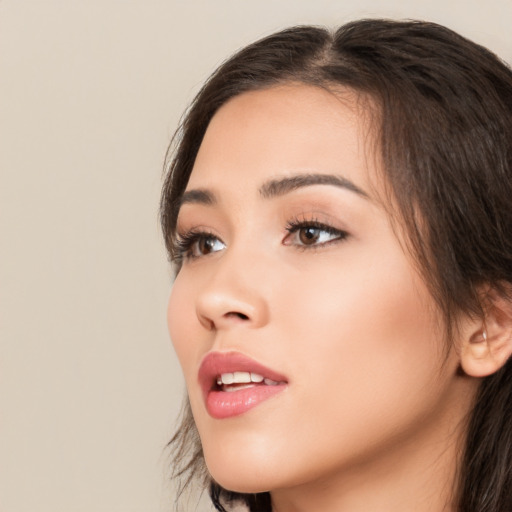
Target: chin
x=245, y=482
x=243, y=454
x=240, y=471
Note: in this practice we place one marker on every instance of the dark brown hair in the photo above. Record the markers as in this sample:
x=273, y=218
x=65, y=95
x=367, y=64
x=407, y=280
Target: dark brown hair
x=444, y=127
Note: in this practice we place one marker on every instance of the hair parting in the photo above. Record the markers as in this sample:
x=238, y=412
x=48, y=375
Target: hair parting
x=441, y=109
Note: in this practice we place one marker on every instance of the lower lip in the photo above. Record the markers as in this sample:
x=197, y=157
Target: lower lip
x=224, y=404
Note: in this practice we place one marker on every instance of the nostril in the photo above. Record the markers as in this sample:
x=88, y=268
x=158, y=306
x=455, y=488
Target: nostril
x=237, y=314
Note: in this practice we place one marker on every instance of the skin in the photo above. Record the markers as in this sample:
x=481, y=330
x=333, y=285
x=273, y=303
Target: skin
x=373, y=414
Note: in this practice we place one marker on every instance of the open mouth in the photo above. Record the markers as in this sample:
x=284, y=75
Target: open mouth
x=233, y=383
x=229, y=382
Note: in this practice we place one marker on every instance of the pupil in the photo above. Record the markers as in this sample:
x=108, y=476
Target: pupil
x=308, y=235
x=206, y=245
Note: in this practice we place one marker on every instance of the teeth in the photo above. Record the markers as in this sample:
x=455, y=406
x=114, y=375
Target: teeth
x=230, y=389
x=227, y=379
x=242, y=377
x=270, y=382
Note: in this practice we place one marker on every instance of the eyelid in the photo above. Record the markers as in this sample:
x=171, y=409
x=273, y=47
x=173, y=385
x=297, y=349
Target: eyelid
x=294, y=225
x=184, y=242
x=186, y=239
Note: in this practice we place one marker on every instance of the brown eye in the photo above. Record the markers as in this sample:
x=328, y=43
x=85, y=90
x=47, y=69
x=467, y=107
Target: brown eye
x=204, y=245
x=312, y=234
x=309, y=235
x=192, y=245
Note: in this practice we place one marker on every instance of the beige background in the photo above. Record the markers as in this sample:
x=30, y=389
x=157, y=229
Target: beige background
x=90, y=92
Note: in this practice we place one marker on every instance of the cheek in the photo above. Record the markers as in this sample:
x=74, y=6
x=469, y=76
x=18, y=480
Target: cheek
x=181, y=322
x=361, y=302
x=367, y=345
x=355, y=334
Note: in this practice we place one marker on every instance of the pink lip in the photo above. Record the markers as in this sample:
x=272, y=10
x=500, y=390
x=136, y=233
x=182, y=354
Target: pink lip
x=221, y=404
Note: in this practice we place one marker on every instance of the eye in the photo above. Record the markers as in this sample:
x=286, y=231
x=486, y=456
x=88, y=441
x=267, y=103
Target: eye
x=310, y=234
x=196, y=244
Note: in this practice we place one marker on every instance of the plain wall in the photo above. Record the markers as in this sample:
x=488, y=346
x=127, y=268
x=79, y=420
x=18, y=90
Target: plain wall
x=90, y=93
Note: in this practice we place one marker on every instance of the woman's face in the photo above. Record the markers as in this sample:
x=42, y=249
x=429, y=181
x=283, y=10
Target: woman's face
x=293, y=272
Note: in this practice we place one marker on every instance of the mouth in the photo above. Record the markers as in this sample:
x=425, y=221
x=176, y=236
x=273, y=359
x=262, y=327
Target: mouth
x=233, y=383
x=229, y=382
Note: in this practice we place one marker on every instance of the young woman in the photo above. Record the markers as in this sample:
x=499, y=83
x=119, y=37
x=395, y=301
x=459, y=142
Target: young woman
x=338, y=207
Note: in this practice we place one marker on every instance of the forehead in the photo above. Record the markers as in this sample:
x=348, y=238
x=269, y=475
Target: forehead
x=283, y=130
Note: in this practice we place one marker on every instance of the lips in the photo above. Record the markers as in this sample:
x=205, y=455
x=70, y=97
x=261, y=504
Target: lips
x=233, y=383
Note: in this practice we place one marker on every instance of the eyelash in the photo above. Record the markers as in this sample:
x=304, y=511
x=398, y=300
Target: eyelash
x=184, y=243
x=295, y=225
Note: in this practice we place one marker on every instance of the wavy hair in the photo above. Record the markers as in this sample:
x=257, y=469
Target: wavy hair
x=444, y=135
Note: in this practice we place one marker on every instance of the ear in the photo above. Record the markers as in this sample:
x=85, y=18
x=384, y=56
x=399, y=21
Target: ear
x=488, y=345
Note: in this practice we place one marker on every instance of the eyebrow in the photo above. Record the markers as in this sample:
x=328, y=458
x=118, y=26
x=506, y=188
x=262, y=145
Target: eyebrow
x=197, y=196
x=279, y=187
x=276, y=187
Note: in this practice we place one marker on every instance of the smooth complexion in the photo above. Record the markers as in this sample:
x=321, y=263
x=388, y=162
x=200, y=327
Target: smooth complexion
x=371, y=414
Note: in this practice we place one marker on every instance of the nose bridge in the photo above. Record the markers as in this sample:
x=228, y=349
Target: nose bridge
x=235, y=292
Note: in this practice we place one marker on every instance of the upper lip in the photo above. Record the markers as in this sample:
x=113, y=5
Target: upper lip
x=215, y=364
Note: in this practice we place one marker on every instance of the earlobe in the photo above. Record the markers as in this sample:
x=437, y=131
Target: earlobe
x=489, y=347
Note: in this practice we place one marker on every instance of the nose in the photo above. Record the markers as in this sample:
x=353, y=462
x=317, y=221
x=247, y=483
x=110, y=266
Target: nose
x=233, y=296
